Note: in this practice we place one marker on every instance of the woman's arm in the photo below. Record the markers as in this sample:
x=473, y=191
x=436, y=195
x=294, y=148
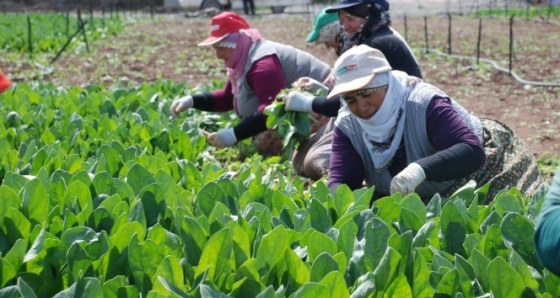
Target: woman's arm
x=396, y=52
x=327, y=107
x=215, y=101
x=346, y=166
x=267, y=80
x=460, y=151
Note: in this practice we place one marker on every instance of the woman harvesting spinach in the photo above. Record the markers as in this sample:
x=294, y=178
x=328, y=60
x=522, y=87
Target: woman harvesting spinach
x=257, y=70
x=403, y=135
x=362, y=22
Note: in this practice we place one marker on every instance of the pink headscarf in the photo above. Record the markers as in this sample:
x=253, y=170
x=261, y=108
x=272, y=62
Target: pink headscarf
x=235, y=65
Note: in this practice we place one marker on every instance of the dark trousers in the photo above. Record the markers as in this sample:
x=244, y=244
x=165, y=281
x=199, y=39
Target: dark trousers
x=249, y=6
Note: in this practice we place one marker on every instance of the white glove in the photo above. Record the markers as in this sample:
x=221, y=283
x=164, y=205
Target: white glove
x=408, y=179
x=180, y=105
x=298, y=102
x=223, y=138
x=309, y=84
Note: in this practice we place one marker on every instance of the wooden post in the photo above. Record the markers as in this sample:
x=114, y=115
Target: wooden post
x=30, y=36
x=510, y=44
x=426, y=33
x=405, y=28
x=82, y=22
x=449, y=31
x=478, y=41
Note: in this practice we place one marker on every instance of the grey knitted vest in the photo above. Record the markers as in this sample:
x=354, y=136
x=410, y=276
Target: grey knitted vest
x=417, y=144
x=295, y=64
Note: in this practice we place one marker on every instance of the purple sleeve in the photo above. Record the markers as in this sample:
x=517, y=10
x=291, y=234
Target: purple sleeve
x=223, y=99
x=446, y=128
x=460, y=151
x=267, y=79
x=346, y=166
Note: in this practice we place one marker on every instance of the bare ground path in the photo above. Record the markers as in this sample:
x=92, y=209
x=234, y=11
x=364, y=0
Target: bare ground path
x=166, y=49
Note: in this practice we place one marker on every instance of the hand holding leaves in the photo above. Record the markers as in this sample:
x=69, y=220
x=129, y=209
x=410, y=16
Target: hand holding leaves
x=293, y=127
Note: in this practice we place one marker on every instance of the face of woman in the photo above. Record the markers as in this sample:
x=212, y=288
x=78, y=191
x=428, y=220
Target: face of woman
x=223, y=53
x=364, y=103
x=350, y=24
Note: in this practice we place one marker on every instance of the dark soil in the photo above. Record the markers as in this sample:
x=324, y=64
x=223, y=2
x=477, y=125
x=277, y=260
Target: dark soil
x=165, y=48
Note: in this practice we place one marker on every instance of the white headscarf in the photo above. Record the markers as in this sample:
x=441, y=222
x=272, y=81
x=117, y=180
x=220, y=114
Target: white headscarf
x=383, y=132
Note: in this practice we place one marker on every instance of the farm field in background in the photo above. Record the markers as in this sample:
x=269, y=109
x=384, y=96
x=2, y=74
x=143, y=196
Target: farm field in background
x=165, y=48
x=105, y=195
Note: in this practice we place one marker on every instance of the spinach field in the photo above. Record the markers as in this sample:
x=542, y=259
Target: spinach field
x=103, y=195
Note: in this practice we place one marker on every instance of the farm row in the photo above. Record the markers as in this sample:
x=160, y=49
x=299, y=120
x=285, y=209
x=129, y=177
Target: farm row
x=104, y=195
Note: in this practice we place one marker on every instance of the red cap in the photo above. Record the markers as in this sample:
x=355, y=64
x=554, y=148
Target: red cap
x=5, y=83
x=222, y=25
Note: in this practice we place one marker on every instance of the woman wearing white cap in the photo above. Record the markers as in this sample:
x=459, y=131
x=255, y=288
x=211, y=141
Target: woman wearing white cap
x=411, y=137
x=257, y=71
x=362, y=22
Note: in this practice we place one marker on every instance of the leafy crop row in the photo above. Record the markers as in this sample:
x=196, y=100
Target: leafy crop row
x=49, y=32
x=103, y=195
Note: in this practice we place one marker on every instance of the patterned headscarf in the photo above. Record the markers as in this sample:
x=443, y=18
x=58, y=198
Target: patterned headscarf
x=377, y=18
